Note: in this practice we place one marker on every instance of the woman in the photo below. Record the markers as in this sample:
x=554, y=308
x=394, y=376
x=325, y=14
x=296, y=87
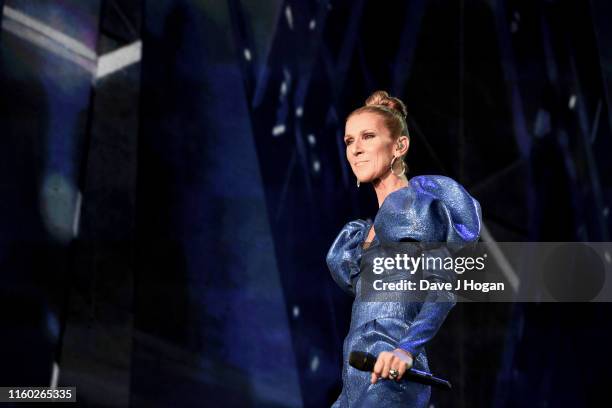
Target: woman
x=424, y=209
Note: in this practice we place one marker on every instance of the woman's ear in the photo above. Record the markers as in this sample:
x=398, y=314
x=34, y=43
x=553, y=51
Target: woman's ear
x=402, y=145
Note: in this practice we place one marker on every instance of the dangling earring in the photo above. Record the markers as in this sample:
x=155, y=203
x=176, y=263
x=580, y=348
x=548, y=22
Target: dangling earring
x=358, y=183
x=403, y=167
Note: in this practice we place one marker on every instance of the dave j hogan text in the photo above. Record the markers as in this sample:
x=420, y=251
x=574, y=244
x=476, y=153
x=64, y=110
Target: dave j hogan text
x=424, y=284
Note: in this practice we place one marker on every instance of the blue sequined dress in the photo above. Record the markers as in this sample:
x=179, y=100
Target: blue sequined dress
x=430, y=209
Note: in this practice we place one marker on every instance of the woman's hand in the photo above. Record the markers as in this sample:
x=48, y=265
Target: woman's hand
x=398, y=359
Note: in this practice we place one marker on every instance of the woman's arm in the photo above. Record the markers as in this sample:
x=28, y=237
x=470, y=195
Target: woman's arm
x=432, y=313
x=434, y=309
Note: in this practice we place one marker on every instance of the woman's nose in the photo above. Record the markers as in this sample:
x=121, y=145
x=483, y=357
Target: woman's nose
x=356, y=148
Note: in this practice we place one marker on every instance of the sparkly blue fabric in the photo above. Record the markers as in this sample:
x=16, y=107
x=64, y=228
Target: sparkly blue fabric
x=430, y=209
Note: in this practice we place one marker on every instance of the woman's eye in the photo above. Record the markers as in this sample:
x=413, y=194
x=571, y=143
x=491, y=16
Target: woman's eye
x=348, y=142
x=368, y=135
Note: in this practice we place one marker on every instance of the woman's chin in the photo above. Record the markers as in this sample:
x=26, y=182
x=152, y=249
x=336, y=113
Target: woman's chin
x=365, y=178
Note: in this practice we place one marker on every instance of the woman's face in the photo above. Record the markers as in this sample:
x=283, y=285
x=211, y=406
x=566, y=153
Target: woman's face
x=369, y=146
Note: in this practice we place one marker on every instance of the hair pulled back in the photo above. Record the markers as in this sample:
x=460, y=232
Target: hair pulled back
x=392, y=110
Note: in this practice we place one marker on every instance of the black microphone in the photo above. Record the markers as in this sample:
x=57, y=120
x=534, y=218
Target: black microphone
x=365, y=362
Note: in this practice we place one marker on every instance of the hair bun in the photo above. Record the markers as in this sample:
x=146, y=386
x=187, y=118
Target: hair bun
x=382, y=98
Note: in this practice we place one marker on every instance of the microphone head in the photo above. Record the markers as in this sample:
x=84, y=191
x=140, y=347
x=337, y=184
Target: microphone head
x=362, y=361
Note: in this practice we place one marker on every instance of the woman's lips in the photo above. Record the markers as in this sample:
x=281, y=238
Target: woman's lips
x=359, y=163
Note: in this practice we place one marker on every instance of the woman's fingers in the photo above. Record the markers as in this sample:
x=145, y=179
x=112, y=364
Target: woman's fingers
x=378, y=367
x=401, y=368
x=398, y=367
x=391, y=360
x=386, y=365
x=382, y=366
x=403, y=360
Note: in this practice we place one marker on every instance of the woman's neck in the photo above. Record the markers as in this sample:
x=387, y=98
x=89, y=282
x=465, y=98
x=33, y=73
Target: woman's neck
x=385, y=186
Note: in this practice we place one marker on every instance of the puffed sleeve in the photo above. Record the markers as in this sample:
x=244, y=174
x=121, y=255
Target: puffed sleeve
x=345, y=253
x=434, y=209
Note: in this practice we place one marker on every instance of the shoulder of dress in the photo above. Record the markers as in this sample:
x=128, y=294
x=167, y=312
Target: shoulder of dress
x=433, y=207
x=349, y=239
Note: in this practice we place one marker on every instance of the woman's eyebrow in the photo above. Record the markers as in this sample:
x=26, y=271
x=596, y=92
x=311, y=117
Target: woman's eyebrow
x=361, y=132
